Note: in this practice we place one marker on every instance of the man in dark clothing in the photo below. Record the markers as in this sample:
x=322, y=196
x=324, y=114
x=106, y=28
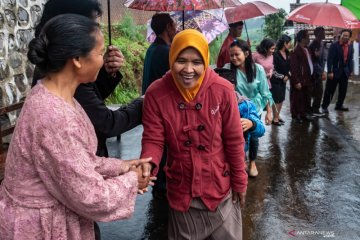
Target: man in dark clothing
x=317, y=53
x=301, y=68
x=156, y=62
x=340, y=66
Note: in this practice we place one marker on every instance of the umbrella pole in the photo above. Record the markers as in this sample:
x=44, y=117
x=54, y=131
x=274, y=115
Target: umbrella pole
x=247, y=34
x=183, y=18
x=109, y=21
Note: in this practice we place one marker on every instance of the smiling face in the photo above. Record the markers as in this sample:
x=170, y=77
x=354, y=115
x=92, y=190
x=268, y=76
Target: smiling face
x=188, y=67
x=237, y=56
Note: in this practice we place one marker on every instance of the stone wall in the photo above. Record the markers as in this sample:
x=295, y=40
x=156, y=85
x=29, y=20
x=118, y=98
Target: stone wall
x=17, y=20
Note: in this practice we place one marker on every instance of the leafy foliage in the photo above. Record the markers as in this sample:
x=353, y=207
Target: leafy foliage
x=129, y=38
x=274, y=24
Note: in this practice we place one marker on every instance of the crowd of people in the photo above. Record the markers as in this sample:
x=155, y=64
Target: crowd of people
x=199, y=123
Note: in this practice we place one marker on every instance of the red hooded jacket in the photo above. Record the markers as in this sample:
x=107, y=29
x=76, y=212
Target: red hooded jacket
x=204, y=139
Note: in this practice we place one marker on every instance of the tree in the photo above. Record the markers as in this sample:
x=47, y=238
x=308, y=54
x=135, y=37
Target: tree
x=274, y=24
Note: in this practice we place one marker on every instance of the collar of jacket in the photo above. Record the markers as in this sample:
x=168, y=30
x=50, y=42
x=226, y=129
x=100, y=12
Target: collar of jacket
x=209, y=79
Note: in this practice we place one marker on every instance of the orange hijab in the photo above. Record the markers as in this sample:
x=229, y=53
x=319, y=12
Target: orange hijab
x=183, y=40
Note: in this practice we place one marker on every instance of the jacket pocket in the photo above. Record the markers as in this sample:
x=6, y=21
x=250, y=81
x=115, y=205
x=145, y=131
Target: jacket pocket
x=221, y=175
x=174, y=173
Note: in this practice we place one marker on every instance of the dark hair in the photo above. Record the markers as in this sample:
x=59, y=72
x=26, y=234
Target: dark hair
x=250, y=69
x=264, y=46
x=53, y=8
x=236, y=24
x=301, y=35
x=346, y=30
x=159, y=22
x=318, y=30
x=64, y=37
x=282, y=40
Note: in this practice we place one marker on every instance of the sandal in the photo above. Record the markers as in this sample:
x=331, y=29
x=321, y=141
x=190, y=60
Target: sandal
x=281, y=121
x=276, y=123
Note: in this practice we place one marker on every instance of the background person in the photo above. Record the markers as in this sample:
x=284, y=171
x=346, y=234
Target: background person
x=55, y=187
x=197, y=118
x=235, y=30
x=264, y=57
x=281, y=75
x=317, y=52
x=301, y=68
x=156, y=64
x=251, y=82
x=91, y=95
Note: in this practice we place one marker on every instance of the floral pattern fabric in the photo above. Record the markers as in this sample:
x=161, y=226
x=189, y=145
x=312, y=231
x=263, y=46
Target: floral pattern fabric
x=55, y=186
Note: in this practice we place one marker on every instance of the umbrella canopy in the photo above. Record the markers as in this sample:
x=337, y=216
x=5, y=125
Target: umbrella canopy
x=248, y=10
x=179, y=5
x=211, y=24
x=325, y=14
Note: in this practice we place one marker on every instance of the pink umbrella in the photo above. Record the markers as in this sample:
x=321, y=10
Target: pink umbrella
x=325, y=14
x=248, y=10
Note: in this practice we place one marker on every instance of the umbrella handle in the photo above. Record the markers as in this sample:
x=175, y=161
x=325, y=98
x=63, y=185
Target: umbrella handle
x=183, y=18
x=109, y=21
x=247, y=34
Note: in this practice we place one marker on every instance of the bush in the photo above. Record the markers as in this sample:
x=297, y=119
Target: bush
x=129, y=38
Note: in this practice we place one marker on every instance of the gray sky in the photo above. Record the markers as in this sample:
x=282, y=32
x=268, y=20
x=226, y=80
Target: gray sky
x=285, y=4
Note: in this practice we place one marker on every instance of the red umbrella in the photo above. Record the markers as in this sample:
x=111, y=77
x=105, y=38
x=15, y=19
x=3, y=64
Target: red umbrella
x=179, y=5
x=325, y=14
x=248, y=10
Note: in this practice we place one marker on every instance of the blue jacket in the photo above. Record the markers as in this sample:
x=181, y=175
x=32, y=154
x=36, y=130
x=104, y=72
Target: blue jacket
x=248, y=110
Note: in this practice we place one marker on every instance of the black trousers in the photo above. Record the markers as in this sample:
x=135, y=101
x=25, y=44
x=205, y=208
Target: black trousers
x=330, y=90
x=317, y=93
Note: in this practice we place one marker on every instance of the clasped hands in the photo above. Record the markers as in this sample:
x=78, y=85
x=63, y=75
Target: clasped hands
x=142, y=168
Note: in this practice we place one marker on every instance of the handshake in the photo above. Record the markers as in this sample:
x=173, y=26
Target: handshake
x=142, y=167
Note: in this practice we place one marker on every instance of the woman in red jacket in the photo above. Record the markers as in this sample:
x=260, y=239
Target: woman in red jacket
x=193, y=112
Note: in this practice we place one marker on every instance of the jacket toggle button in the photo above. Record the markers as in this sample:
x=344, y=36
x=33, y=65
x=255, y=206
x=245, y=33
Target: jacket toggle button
x=201, y=147
x=226, y=173
x=181, y=106
x=201, y=128
x=187, y=143
x=198, y=106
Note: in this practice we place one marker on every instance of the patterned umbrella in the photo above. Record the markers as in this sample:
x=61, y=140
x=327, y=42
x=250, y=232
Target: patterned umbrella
x=210, y=23
x=179, y=5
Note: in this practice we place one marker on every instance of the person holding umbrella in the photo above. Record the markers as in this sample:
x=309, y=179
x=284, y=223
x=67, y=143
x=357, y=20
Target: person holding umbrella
x=235, y=30
x=91, y=96
x=156, y=62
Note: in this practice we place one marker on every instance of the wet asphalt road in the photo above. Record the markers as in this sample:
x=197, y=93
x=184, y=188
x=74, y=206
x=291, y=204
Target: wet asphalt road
x=308, y=185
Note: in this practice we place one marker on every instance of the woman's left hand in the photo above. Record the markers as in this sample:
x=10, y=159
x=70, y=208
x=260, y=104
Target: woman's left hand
x=113, y=60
